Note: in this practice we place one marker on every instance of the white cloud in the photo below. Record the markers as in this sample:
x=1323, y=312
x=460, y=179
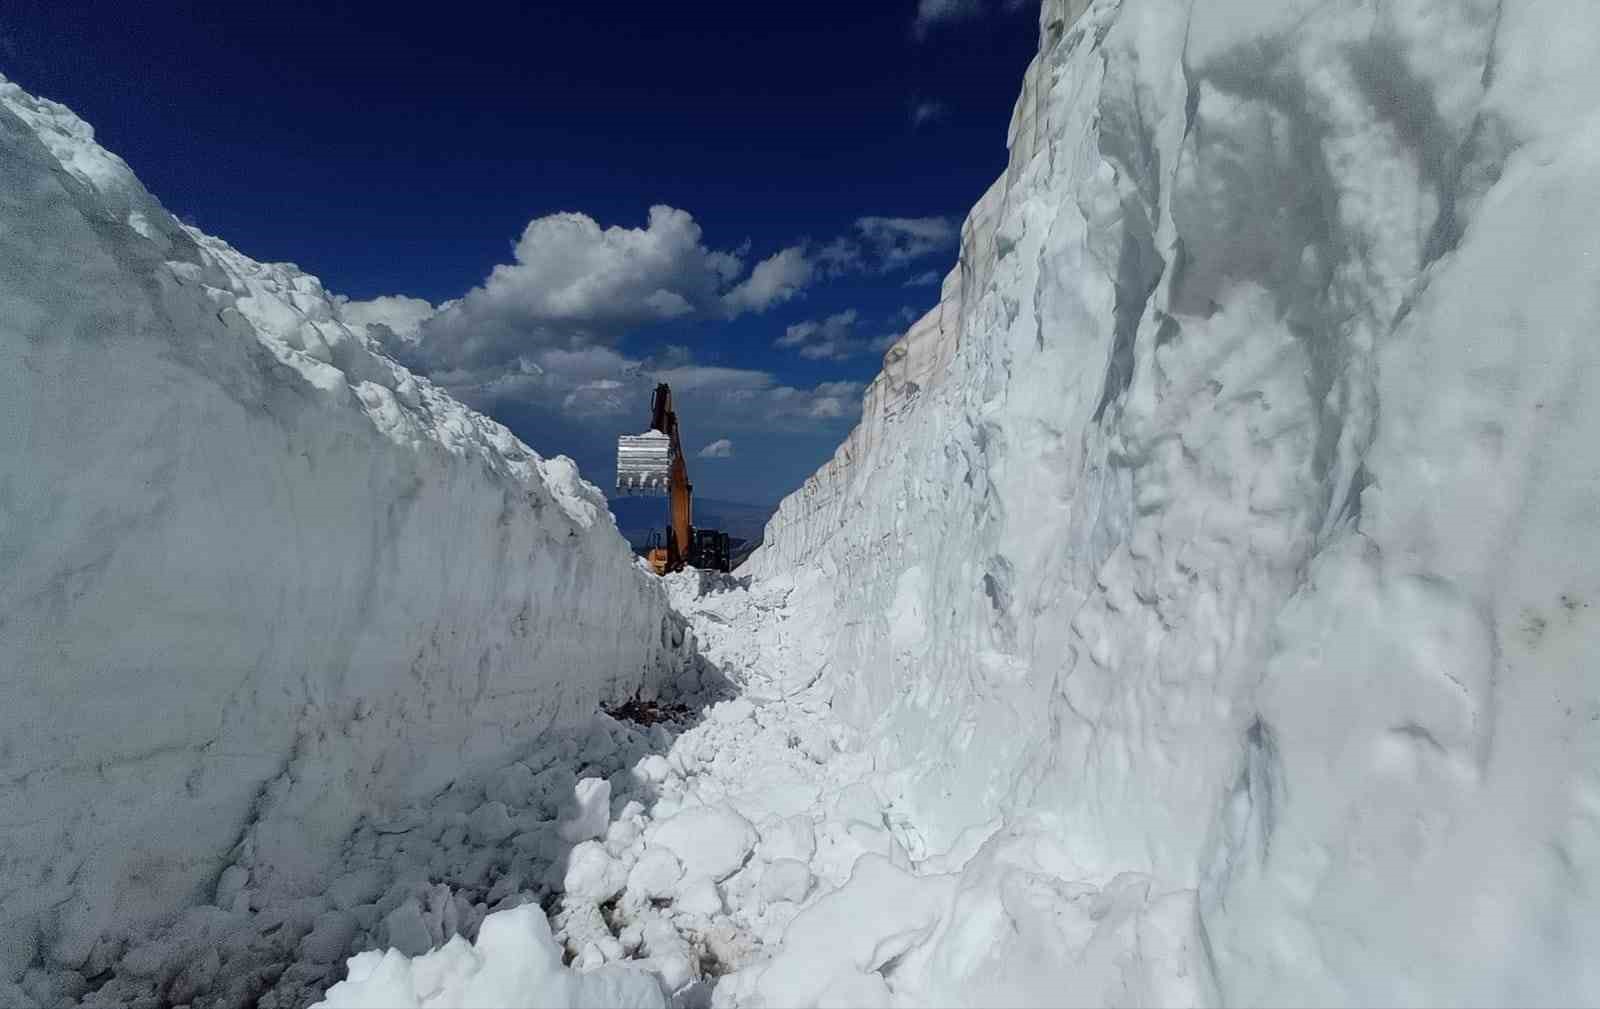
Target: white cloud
x=932, y=13
x=402, y=315
x=746, y=399
x=598, y=397
x=832, y=339
x=722, y=448
x=886, y=244
x=935, y=12
x=775, y=279
x=840, y=256
x=598, y=385
x=575, y=288
x=898, y=241
x=927, y=279
x=574, y=284
x=923, y=113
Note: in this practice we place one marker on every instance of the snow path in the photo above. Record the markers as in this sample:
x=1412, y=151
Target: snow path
x=686, y=862
x=681, y=849
x=751, y=859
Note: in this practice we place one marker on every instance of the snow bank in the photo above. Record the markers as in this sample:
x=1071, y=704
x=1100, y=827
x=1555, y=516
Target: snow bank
x=257, y=581
x=1230, y=521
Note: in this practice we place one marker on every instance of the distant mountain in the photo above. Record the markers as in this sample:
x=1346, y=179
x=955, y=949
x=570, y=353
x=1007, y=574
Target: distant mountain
x=637, y=517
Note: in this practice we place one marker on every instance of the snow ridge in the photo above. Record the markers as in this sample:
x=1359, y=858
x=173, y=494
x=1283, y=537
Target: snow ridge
x=259, y=580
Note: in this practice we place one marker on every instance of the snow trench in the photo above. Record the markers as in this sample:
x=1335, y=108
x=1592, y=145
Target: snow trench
x=1201, y=614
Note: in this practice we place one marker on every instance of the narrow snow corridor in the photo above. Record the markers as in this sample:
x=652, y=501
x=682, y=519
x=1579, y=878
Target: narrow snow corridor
x=677, y=843
x=1201, y=613
x=676, y=838
x=744, y=855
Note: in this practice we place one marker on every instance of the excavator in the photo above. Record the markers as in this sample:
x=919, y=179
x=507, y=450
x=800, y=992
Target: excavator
x=651, y=464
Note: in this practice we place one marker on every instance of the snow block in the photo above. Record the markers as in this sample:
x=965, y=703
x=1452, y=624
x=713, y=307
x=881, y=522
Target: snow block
x=710, y=841
x=589, y=812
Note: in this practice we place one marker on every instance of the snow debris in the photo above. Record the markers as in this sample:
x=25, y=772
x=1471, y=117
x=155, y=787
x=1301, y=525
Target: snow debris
x=515, y=963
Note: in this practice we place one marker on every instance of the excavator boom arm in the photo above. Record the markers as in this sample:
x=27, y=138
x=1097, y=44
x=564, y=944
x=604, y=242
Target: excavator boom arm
x=680, y=492
x=651, y=464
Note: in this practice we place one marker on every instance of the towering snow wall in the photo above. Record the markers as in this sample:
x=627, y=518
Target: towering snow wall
x=1234, y=519
x=255, y=579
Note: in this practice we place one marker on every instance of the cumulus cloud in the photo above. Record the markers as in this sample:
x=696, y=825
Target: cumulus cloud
x=574, y=284
x=401, y=316
x=774, y=280
x=834, y=338
x=575, y=288
x=722, y=448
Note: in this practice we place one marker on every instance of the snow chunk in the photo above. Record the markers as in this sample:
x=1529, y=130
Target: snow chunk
x=590, y=813
x=732, y=712
x=880, y=914
x=656, y=874
x=786, y=879
x=792, y=837
x=710, y=841
x=698, y=896
x=653, y=769
x=406, y=929
x=490, y=823
x=330, y=939
x=592, y=874
x=512, y=785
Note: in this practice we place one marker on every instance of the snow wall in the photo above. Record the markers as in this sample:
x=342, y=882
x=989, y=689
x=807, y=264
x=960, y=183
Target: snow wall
x=256, y=580
x=1234, y=518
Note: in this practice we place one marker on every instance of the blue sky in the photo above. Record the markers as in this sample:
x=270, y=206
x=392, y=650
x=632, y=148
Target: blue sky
x=810, y=162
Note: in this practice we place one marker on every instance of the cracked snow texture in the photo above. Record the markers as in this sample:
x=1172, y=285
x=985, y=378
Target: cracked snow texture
x=1235, y=534
x=260, y=581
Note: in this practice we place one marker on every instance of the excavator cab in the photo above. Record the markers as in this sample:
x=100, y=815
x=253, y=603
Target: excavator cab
x=651, y=464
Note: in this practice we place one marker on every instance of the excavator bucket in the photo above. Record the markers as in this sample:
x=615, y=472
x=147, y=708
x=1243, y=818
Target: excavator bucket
x=644, y=464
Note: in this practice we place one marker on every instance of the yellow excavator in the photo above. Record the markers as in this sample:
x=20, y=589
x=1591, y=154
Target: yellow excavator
x=651, y=464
